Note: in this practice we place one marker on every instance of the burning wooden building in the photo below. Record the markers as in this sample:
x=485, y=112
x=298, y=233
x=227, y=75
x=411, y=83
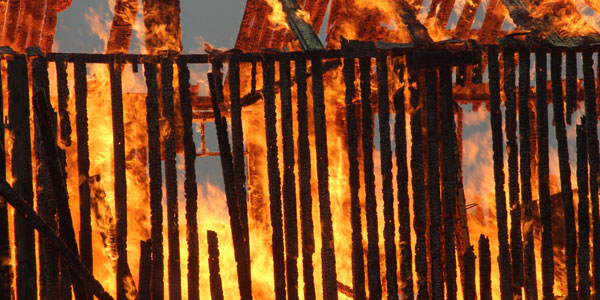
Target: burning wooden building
x=357, y=146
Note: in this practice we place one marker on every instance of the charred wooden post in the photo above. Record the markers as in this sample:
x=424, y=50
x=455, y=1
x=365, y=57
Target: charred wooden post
x=144, y=290
x=543, y=163
x=289, y=179
x=525, y=161
x=389, y=226
x=571, y=85
x=593, y=158
x=18, y=114
x=516, y=242
x=48, y=257
x=583, y=214
x=504, y=259
x=122, y=26
x=433, y=184
x=70, y=256
x=565, y=176
x=358, y=263
x=5, y=269
x=328, y=248
x=559, y=120
x=448, y=167
x=304, y=174
x=373, y=266
x=469, y=292
x=83, y=163
x=216, y=287
x=239, y=166
x=417, y=166
x=154, y=170
x=120, y=176
x=63, y=96
x=274, y=179
x=43, y=113
x=237, y=229
x=406, y=278
x=485, y=268
x=166, y=75
x=191, y=192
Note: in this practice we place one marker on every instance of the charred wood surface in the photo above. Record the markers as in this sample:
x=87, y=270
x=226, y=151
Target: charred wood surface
x=289, y=180
x=274, y=179
x=83, y=163
x=216, y=287
x=328, y=248
x=543, y=160
x=406, y=273
x=449, y=145
x=571, y=84
x=468, y=258
x=593, y=161
x=304, y=174
x=123, y=272
x=155, y=172
x=358, y=263
x=144, y=290
x=190, y=186
x=583, y=213
x=373, y=264
x=525, y=161
x=18, y=114
x=433, y=184
x=485, y=268
x=417, y=166
x=516, y=242
x=122, y=26
x=63, y=97
x=237, y=229
x=385, y=146
x=508, y=282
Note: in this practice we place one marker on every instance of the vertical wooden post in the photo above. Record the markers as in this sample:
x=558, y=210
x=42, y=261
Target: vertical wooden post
x=119, y=173
x=417, y=166
x=506, y=275
x=433, y=184
x=516, y=240
x=327, y=248
x=583, y=214
x=154, y=170
x=190, y=186
x=593, y=159
x=485, y=268
x=358, y=263
x=289, y=179
x=373, y=264
x=145, y=270
x=18, y=114
x=448, y=166
x=304, y=174
x=406, y=276
x=166, y=75
x=83, y=164
x=216, y=287
x=274, y=179
x=63, y=97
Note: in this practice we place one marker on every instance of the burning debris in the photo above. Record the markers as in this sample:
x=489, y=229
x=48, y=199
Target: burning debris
x=298, y=120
